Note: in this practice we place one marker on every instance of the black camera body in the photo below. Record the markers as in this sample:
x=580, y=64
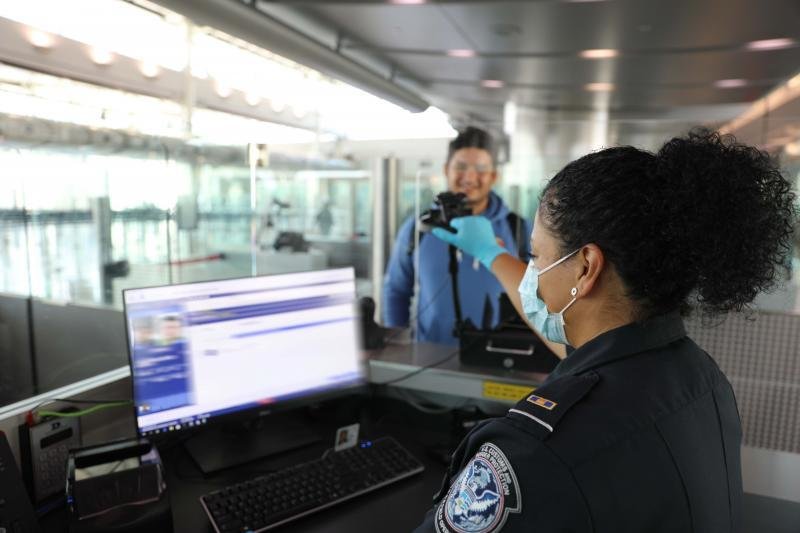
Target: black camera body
x=449, y=205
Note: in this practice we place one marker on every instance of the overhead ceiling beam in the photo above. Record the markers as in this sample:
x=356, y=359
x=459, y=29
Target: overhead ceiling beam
x=261, y=29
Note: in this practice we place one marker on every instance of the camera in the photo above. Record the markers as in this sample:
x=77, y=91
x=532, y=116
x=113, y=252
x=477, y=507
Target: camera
x=449, y=205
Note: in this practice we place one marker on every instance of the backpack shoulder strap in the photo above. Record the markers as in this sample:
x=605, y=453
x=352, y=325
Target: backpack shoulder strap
x=412, y=242
x=516, y=225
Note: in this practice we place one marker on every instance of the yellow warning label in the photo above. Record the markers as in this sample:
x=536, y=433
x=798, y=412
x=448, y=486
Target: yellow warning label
x=503, y=391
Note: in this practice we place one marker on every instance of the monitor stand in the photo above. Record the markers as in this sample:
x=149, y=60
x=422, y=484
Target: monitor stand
x=231, y=445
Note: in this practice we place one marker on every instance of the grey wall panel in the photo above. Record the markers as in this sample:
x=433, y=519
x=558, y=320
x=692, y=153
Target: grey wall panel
x=16, y=364
x=74, y=342
x=761, y=357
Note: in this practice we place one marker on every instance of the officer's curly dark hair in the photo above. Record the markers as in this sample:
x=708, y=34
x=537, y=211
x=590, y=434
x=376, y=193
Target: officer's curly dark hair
x=704, y=223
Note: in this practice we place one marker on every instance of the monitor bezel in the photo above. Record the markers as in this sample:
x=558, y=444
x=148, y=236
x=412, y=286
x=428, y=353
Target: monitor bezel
x=258, y=411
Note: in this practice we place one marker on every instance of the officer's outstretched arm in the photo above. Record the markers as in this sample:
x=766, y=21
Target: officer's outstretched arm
x=476, y=237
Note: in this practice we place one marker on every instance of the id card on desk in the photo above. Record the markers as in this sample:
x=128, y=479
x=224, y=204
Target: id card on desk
x=346, y=437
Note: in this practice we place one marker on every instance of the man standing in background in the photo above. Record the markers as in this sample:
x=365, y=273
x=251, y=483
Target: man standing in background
x=470, y=169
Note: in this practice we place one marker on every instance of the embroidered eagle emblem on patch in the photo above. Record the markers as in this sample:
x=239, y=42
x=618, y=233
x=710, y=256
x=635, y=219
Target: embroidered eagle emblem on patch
x=542, y=402
x=482, y=496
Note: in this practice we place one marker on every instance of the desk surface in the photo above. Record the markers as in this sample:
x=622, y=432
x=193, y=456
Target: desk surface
x=396, y=508
x=445, y=373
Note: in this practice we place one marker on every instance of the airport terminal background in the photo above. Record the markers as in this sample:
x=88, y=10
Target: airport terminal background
x=129, y=163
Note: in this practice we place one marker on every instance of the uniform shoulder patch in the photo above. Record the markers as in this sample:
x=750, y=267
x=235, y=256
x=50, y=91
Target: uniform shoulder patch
x=550, y=402
x=482, y=496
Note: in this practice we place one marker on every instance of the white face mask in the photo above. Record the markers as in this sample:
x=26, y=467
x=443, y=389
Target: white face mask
x=550, y=325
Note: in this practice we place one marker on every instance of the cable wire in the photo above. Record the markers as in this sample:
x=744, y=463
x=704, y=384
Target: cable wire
x=67, y=400
x=77, y=414
x=421, y=369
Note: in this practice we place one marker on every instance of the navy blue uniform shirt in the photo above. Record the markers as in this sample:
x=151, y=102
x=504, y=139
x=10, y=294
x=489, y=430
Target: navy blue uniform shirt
x=635, y=431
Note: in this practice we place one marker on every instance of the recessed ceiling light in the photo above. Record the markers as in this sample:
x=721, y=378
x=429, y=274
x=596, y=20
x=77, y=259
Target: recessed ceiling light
x=492, y=84
x=222, y=90
x=599, y=53
x=40, y=39
x=771, y=44
x=461, y=52
x=277, y=104
x=407, y=2
x=149, y=70
x=299, y=111
x=599, y=86
x=252, y=99
x=101, y=56
x=199, y=71
x=730, y=84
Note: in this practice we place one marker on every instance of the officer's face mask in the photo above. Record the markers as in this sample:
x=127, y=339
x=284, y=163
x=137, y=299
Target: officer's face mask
x=550, y=325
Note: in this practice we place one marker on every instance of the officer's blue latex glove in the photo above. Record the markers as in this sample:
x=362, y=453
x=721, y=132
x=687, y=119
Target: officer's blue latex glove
x=475, y=236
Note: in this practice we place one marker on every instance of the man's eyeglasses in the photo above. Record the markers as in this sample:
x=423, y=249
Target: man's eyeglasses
x=460, y=166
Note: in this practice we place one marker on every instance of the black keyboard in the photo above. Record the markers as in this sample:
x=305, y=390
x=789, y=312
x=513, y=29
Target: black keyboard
x=268, y=501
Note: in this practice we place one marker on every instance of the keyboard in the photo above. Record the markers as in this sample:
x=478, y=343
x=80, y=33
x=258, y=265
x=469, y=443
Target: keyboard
x=271, y=500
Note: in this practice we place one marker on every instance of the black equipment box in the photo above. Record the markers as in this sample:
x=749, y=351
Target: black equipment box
x=117, y=488
x=16, y=511
x=509, y=346
x=44, y=449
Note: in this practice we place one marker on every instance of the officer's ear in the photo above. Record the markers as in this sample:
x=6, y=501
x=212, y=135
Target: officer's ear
x=592, y=262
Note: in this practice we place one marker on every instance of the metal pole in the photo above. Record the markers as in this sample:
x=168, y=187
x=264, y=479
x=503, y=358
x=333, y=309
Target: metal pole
x=384, y=221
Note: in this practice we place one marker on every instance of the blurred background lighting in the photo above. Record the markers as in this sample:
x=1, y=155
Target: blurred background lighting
x=40, y=39
x=599, y=53
x=277, y=105
x=149, y=69
x=222, y=90
x=793, y=149
x=492, y=84
x=101, y=56
x=730, y=84
x=599, y=86
x=461, y=52
x=771, y=44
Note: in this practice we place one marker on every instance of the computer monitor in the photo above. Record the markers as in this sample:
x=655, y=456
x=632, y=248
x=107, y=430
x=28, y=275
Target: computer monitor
x=201, y=351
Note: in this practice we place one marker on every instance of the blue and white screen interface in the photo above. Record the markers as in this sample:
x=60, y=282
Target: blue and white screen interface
x=201, y=350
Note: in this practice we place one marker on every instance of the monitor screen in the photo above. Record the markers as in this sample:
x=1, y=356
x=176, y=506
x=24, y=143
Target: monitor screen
x=202, y=350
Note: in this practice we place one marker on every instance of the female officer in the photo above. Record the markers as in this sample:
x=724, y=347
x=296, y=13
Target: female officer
x=637, y=429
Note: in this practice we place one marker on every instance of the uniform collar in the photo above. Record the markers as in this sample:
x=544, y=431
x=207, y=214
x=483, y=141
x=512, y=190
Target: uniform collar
x=622, y=342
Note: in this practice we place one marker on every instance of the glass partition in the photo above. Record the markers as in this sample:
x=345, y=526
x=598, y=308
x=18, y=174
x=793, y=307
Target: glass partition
x=105, y=188
x=79, y=225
